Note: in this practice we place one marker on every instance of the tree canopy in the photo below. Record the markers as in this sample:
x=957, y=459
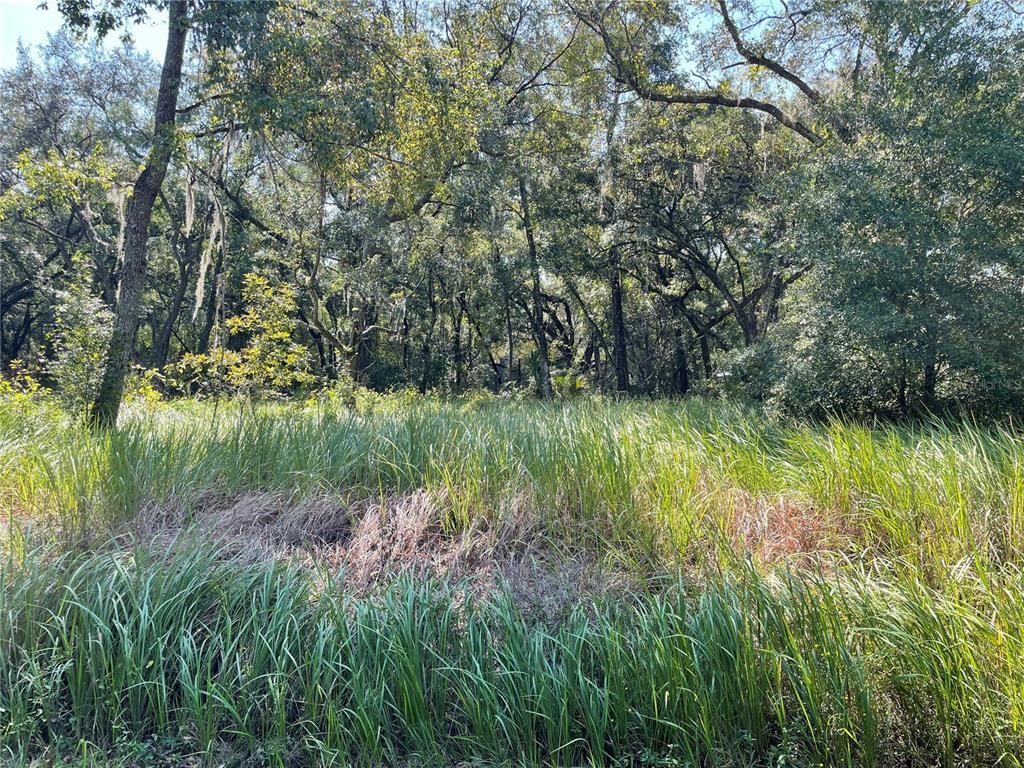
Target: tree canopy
x=817, y=204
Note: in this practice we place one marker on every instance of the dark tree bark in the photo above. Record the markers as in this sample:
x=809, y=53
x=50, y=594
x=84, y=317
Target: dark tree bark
x=511, y=353
x=211, y=312
x=405, y=342
x=363, y=326
x=457, y=362
x=187, y=254
x=760, y=60
x=597, y=335
x=931, y=377
x=705, y=355
x=137, y=220
x=474, y=325
x=625, y=72
x=163, y=343
x=681, y=379
x=621, y=359
x=428, y=337
x=11, y=345
x=537, y=317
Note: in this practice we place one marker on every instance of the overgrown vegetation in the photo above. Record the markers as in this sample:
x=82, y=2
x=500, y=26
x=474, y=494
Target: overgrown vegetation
x=645, y=479
x=514, y=382
x=816, y=207
x=749, y=671
x=797, y=594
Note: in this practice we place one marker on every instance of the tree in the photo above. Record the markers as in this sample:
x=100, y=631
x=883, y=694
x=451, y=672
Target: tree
x=818, y=205
x=917, y=228
x=139, y=211
x=68, y=145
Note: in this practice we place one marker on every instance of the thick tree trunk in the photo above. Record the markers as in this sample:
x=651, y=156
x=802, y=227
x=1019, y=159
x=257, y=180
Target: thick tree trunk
x=137, y=219
x=619, y=333
x=537, y=320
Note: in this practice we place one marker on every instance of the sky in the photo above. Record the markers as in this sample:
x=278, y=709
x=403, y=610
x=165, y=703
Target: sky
x=25, y=20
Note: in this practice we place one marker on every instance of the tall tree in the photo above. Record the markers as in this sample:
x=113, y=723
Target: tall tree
x=138, y=216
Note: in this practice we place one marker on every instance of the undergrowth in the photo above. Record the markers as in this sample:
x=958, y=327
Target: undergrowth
x=746, y=670
x=806, y=594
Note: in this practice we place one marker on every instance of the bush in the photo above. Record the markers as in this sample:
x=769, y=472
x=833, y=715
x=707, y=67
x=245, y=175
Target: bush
x=79, y=339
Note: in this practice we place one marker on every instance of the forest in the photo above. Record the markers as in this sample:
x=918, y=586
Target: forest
x=512, y=384
x=815, y=208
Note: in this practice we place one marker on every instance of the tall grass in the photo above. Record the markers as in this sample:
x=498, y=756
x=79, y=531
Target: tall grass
x=654, y=479
x=280, y=664
x=846, y=595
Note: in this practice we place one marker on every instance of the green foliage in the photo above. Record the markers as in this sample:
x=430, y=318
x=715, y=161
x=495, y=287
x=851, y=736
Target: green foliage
x=835, y=232
x=917, y=230
x=271, y=360
x=894, y=637
x=81, y=330
x=274, y=663
x=378, y=103
x=569, y=384
x=54, y=179
x=653, y=482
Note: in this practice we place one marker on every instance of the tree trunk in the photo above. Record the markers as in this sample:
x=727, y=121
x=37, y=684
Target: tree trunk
x=211, y=313
x=537, y=320
x=473, y=324
x=931, y=376
x=620, y=359
x=359, y=364
x=405, y=342
x=705, y=355
x=11, y=346
x=137, y=219
x=457, y=349
x=163, y=344
x=619, y=333
x=746, y=320
x=510, y=361
x=682, y=372
x=426, y=360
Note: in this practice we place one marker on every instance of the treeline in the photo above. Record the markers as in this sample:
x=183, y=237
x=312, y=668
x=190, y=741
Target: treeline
x=818, y=204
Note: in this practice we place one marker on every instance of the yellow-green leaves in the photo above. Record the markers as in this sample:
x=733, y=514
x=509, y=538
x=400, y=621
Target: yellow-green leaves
x=57, y=179
x=380, y=107
x=271, y=359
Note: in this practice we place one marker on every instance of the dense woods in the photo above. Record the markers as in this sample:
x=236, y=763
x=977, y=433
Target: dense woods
x=817, y=205
x=438, y=383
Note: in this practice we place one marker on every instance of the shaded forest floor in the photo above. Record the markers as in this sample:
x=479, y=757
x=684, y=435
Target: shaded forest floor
x=401, y=580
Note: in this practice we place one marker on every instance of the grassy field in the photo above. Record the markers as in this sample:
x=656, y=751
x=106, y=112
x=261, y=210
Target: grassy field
x=408, y=581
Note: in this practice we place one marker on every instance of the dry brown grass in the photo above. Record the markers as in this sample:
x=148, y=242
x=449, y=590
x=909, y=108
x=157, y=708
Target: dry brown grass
x=778, y=528
x=371, y=542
